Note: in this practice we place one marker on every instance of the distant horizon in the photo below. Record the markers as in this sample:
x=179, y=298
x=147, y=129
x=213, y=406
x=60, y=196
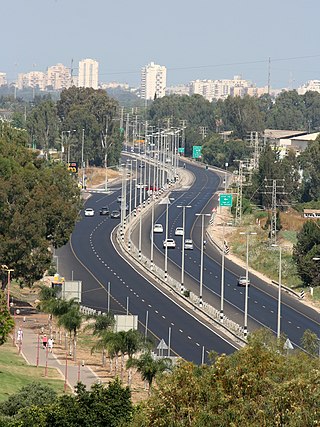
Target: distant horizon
x=204, y=40
x=136, y=83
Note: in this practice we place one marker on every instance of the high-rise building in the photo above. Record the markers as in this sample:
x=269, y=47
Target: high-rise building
x=59, y=77
x=153, y=81
x=88, y=73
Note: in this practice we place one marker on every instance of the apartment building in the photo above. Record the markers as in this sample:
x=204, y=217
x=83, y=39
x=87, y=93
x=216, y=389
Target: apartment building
x=3, y=79
x=58, y=77
x=311, y=85
x=88, y=73
x=153, y=81
x=220, y=89
x=32, y=79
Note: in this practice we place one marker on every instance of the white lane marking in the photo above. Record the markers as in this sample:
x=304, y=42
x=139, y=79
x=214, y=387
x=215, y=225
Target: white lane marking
x=180, y=330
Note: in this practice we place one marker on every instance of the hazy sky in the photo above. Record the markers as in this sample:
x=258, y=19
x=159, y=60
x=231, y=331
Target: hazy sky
x=206, y=39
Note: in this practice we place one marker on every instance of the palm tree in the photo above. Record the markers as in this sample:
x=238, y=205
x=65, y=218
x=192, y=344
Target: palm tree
x=148, y=367
x=102, y=323
x=71, y=321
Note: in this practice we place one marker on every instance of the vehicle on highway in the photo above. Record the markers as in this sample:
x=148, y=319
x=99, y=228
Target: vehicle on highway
x=179, y=231
x=158, y=228
x=132, y=149
x=242, y=281
x=115, y=214
x=104, y=211
x=89, y=212
x=188, y=244
x=169, y=243
x=119, y=199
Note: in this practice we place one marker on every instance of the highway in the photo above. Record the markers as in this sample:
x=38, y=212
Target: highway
x=262, y=306
x=90, y=257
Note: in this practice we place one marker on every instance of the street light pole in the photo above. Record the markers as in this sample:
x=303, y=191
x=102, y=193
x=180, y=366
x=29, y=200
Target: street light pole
x=82, y=160
x=8, y=270
x=245, y=327
x=279, y=294
x=222, y=278
x=152, y=238
x=166, y=240
x=184, y=207
x=201, y=255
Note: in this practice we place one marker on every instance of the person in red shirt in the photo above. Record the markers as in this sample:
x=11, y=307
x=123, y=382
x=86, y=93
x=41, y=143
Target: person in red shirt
x=44, y=341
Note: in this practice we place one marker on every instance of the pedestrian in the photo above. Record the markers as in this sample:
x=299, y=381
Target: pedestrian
x=50, y=344
x=44, y=341
x=19, y=336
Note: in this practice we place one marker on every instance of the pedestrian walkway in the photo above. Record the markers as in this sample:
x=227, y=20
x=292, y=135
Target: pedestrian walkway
x=30, y=347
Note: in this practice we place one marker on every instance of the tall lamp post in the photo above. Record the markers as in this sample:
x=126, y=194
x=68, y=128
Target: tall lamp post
x=8, y=271
x=166, y=239
x=245, y=327
x=222, y=276
x=203, y=215
x=183, y=207
x=279, y=291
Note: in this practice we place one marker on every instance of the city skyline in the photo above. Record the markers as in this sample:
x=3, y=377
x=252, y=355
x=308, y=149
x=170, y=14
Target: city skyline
x=203, y=40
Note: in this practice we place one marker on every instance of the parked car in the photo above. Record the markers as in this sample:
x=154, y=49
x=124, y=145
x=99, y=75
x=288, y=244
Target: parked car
x=188, y=244
x=89, y=212
x=169, y=243
x=104, y=211
x=158, y=228
x=179, y=231
x=242, y=281
x=115, y=214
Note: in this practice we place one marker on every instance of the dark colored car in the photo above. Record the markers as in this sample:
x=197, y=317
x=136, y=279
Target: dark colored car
x=115, y=214
x=105, y=211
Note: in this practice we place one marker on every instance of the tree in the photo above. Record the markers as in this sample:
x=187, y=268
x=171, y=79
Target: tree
x=102, y=323
x=307, y=248
x=288, y=112
x=148, y=367
x=310, y=163
x=39, y=204
x=32, y=394
x=6, y=320
x=71, y=320
x=310, y=342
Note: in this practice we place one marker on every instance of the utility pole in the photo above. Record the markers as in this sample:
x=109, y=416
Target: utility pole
x=276, y=189
x=269, y=75
x=239, y=195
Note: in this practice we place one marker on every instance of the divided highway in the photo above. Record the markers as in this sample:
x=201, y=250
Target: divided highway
x=90, y=257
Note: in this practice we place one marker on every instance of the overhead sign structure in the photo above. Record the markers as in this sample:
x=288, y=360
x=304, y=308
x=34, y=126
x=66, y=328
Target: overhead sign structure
x=197, y=152
x=225, y=200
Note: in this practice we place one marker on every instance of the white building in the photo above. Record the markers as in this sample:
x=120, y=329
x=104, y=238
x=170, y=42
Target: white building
x=178, y=90
x=88, y=73
x=220, y=89
x=153, y=81
x=32, y=79
x=3, y=79
x=59, y=77
x=313, y=85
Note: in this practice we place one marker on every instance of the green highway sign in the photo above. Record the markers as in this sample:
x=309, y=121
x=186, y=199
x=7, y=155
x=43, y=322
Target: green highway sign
x=225, y=200
x=181, y=150
x=196, y=151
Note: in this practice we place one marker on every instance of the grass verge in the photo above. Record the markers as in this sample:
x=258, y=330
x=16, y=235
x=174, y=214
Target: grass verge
x=15, y=373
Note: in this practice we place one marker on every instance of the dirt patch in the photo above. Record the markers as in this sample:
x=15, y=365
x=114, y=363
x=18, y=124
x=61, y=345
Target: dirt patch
x=97, y=176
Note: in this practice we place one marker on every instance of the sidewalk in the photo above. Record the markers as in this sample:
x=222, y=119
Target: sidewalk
x=32, y=351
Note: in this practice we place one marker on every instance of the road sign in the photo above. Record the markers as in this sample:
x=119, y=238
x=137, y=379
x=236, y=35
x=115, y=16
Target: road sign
x=288, y=345
x=73, y=167
x=225, y=200
x=196, y=152
x=162, y=345
x=181, y=150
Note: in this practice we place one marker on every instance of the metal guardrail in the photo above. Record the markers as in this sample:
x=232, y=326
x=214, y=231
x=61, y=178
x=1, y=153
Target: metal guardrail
x=158, y=274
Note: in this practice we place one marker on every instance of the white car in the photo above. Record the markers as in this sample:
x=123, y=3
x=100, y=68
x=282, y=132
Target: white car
x=119, y=199
x=89, y=212
x=179, y=231
x=158, y=228
x=169, y=243
x=188, y=244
